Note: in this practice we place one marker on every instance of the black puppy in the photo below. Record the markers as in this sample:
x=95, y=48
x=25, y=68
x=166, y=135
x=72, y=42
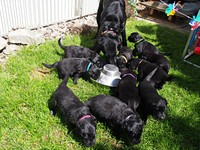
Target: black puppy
x=125, y=54
x=111, y=20
x=148, y=51
x=117, y=115
x=81, y=52
x=75, y=67
x=159, y=60
x=142, y=47
x=74, y=112
x=127, y=89
x=152, y=103
x=144, y=68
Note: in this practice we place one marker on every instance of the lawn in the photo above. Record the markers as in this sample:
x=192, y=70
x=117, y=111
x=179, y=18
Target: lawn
x=26, y=86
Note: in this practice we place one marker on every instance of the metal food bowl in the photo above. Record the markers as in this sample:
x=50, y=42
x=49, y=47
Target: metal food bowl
x=110, y=75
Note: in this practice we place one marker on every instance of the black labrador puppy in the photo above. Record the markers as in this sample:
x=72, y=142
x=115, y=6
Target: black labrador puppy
x=74, y=112
x=75, y=67
x=160, y=60
x=142, y=47
x=111, y=20
x=148, y=51
x=75, y=51
x=127, y=90
x=152, y=103
x=125, y=54
x=144, y=68
x=117, y=115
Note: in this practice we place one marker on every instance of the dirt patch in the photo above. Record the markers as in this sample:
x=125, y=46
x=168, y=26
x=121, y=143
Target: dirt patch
x=39, y=73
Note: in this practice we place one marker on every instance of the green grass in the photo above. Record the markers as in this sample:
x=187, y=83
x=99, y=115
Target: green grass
x=26, y=86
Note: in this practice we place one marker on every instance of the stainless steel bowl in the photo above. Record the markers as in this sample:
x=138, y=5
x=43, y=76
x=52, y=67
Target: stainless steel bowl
x=110, y=75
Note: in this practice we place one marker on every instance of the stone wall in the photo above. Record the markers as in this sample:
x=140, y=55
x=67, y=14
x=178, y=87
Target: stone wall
x=17, y=38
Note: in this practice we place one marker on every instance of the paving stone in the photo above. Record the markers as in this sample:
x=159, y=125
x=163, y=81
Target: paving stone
x=24, y=36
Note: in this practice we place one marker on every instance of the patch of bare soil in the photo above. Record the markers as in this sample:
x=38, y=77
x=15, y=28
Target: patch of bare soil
x=39, y=73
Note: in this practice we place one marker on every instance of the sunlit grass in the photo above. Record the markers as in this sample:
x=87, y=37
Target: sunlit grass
x=26, y=87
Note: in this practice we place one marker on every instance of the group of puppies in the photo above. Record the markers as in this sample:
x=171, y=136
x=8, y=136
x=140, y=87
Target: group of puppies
x=136, y=95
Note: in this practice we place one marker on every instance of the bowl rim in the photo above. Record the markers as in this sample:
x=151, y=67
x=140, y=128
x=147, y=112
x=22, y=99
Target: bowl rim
x=111, y=81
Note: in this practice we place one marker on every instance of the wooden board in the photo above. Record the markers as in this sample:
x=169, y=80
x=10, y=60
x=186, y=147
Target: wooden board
x=154, y=5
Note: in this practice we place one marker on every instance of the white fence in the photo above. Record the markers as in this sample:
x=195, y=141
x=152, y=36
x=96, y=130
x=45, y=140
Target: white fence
x=33, y=13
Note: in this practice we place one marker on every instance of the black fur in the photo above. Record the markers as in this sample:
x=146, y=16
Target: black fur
x=111, y=20
x=75, y=67
x=125, y=54
x=74, y=112
x=148, y=51
x=127, y=89
x=142, y=47
x=81, y=52
x=144, y=68
x=152, y=103
x=117, y=115
x=160, y=60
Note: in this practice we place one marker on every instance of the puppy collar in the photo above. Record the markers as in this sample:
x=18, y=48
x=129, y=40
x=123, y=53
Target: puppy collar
x=124, y=58
x=109, y=31
x=139, y=41
x=84, y=117
x=129, y=74
x=139, y=63
x=88, y=67
x=128, y=117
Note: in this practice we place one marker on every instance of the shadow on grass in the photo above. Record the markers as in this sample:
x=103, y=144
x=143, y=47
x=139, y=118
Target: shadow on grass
x=189, y=133
x=88, y=36
x=174, y=42
x=72, y=132
x=71, y=128
x=174, y=45
x=183, y=75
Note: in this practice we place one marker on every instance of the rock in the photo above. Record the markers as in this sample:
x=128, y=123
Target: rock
x=38, y=35
x=10, y=49
x=3, y=58
x=3, y=43
x=25, y=36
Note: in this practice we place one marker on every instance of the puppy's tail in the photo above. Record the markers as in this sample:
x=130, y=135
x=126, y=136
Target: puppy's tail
x=150, y=75
x=50, y=66
x=60, y=44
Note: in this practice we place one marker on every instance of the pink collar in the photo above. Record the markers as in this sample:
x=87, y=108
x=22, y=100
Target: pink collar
x=84, y=117
x=129, y=74
x=109, y=31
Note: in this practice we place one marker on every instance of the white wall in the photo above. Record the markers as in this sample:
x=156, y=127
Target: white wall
x=33, y=13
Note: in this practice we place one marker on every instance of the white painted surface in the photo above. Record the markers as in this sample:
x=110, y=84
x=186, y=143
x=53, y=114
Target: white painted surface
x=34, y=13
